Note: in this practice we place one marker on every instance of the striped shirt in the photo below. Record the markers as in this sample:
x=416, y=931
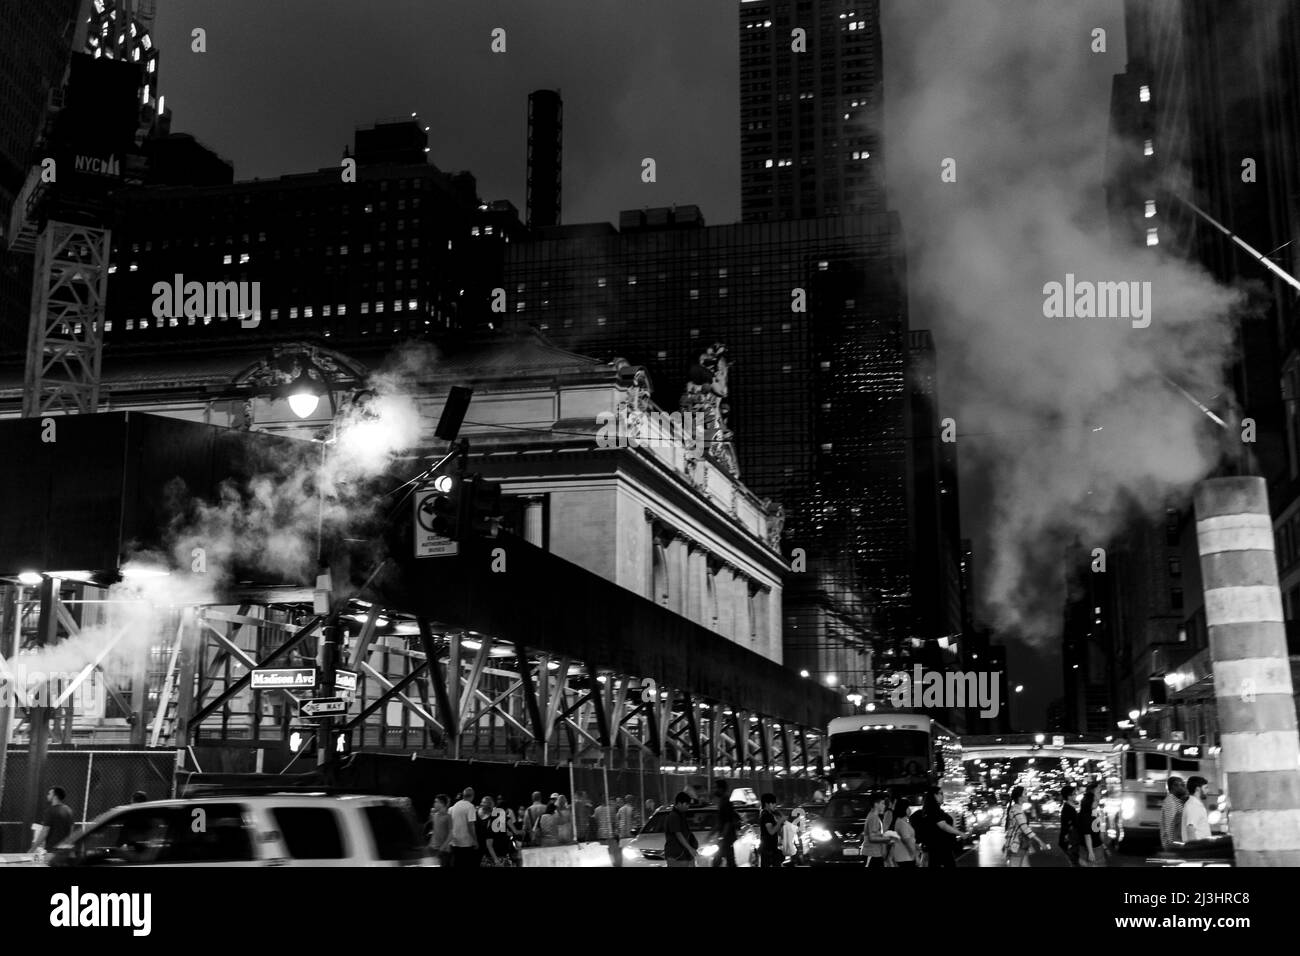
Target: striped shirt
x=1171, y=820
x=604, y=822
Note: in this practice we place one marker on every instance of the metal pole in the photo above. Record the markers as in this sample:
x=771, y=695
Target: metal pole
x=39, y=716
x=325, y=754
x=10, y=611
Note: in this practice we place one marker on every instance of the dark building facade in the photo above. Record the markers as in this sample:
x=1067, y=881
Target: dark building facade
x=813, y=316
x=404, y=251
x=1207, y=112
x=810, y=121
x=36, y=39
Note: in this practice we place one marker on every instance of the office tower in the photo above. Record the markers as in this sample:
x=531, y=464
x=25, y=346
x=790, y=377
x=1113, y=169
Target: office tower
x=407, y=250
x=1207, y=114
x=810, y=121
x=36, y=38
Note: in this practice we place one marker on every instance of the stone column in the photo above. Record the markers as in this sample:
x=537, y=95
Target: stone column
x=533, y=520
x=1252, y=674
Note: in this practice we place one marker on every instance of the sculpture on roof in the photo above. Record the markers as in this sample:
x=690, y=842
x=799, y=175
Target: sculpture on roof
x=706, y=394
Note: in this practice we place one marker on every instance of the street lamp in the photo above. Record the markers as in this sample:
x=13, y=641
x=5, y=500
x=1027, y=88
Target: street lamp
x=304, y=394
x=855, y=699
x=1019, y=688
x=1039, y=738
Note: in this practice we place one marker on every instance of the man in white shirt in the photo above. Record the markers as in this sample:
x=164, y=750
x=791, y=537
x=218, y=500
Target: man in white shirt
x=1196, y=819
x=464, y=836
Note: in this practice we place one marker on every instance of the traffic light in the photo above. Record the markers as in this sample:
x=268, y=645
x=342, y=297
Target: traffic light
x=445, y=507
x=484, y=507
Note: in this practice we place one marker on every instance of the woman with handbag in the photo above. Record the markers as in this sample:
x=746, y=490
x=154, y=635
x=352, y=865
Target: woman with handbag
x=1018, y=840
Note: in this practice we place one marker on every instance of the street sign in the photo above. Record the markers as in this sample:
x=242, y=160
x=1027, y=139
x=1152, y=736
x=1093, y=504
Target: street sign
x=284, y=678
x=322, y=706
x=428, y=543
x=1058, y=740
x=345, y=682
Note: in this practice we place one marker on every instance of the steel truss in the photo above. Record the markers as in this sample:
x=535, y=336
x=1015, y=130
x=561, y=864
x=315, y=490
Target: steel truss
x=65, y=336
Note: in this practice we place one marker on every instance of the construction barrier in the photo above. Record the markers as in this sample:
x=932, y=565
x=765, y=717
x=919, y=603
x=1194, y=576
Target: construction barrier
x=572, y=854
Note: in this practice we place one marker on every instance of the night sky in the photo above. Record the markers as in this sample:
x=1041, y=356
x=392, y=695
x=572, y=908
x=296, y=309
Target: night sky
x=284, y=84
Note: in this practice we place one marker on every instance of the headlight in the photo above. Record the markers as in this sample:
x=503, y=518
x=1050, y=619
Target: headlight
x=1130, y=808
x=1215, y=818
x=820, y=834
x=630, y=854
x=709, y=850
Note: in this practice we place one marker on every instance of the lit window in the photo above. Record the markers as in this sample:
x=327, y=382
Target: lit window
x=243, y=258
x=695, y=333
x=631, y=280
x=144, y=324
x=695, y=293
x=786, y=368
x=1144, y=93
x=226, y=260
x=519, y=306
x=343, y=310
x=662, y=354
x=379, y=307
x=134, y=267
x=1151, y=208
x=768, y=164
x=487, y=230
x=130, y=325
x=397, y=305
x=293, y=312
x=112, y=270
x=722, y=293
x=474, y=231
x=1148, y=149
x=326, y=311
x=825, y=366
x=365, y=249
x=600, y=320
x=1153, y=239
x=365, y=308
x=823, y=265
x=343, y=250
x=275, y=315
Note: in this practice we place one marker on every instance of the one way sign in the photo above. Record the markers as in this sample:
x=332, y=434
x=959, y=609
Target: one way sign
x=323, y=706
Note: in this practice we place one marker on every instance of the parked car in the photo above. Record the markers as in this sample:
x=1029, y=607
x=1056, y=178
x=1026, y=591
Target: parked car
x=647, y=847
x=264, y=829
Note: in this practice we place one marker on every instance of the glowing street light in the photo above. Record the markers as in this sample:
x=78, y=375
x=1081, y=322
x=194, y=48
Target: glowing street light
x=1039, y=738
x=304, y=395
x=33, y=578
x=1019, y=688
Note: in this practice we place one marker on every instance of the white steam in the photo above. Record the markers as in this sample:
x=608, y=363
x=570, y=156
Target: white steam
x=1012, y=91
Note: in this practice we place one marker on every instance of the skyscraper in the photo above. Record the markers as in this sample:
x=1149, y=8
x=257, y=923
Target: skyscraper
x=810, y=108
x=35, y=40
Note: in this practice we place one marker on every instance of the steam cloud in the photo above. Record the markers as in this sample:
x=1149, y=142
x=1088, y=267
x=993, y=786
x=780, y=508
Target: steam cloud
x=1012, y=91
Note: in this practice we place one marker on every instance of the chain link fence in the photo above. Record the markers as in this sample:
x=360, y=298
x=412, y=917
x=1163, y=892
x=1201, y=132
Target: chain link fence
x=94, y=781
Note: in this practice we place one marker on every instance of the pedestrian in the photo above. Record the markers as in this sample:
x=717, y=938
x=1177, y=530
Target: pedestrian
x=1092, y=826
x=56, y=825
x=440, y=829
x=819, y=796
x=728, y=822
x=1068, y=837
x=500, y=837
x=792, y=838
x=606, y=831
x=483, y=830
x=565, y=814
x=1196, y=819
x=534, y=814
x=680, y=844
x=1018, y=838
x=940, y=836
x=770, y=823
x=582, y=817
x=465, y=847
x=649, y=810
x=1171, y=813
x=548, y=827
x=905, y=850
x=625, y=821
x=875, y=844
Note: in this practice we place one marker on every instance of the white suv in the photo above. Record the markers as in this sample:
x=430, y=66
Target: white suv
x=264, y=829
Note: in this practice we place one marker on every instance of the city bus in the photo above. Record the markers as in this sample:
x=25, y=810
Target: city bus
x=901, y=753
x=1140, y=769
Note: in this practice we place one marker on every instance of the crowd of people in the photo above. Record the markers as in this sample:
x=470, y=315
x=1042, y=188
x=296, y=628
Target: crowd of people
x=492, y=833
